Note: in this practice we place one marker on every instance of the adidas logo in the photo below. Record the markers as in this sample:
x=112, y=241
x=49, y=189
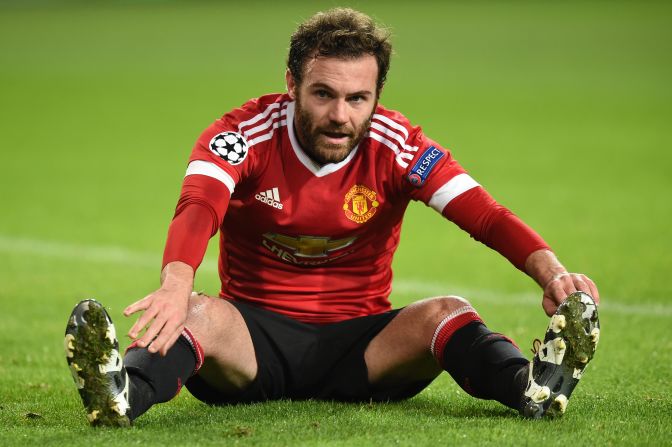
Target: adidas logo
x=270, y=197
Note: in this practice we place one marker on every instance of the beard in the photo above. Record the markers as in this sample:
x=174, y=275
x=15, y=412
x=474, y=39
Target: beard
x=312, y=137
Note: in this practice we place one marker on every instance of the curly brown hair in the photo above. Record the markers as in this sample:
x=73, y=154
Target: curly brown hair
x=342, y=33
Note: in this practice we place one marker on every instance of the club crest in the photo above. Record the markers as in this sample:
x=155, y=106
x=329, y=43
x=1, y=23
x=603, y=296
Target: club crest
x=360, y=204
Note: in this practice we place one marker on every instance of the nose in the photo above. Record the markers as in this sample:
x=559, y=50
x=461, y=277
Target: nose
x=338, y=113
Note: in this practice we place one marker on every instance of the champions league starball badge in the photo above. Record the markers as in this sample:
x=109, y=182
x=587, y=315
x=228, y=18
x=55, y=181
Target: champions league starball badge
x=229, y=146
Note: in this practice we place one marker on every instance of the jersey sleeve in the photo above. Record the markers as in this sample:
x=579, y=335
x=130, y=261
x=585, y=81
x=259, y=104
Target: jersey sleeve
x=430, y=174
x=216, y=165
x=199, y=213
x=220, y=159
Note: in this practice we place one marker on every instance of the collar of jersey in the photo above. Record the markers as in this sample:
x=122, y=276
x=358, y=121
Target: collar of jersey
x=316, y=169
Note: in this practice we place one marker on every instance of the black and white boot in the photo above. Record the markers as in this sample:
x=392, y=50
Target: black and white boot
x=559, y=362
x=92, y=352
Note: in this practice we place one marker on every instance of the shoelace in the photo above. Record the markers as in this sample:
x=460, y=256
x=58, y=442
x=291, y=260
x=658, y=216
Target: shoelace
x=536, y=346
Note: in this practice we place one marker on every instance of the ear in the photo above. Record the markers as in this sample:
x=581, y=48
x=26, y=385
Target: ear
x=291, y=85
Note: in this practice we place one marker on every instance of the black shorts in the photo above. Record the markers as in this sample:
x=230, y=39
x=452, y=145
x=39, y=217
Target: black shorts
x=308, y=361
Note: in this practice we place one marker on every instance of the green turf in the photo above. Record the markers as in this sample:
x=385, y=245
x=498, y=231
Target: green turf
x=561, y=109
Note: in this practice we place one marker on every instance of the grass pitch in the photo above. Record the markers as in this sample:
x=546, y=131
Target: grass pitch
x=561, y=110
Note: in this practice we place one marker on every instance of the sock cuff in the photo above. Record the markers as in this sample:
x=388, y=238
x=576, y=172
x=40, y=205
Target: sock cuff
x=448, y=326
x=195, y=348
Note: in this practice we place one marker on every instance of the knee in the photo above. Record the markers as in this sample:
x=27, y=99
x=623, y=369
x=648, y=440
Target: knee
x=204, y=311
x=198, y=310
x=428, y=314
x=446, y=315
x=438, y=308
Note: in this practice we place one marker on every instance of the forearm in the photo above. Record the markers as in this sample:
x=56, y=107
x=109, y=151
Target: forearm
x=543, y=266
x=178, y=277
x=485, y=220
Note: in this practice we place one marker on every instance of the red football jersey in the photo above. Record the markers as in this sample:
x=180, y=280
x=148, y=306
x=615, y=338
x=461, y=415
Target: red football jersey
x=316, y=242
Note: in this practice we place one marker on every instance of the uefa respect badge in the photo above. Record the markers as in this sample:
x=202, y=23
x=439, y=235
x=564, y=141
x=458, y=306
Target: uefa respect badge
x=420, y=171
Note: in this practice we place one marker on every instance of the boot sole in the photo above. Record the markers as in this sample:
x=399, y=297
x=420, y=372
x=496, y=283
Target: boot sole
x=569, y=345
x=92, y=352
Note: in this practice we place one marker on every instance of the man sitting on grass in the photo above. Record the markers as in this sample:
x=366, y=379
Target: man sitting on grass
x=308, y=190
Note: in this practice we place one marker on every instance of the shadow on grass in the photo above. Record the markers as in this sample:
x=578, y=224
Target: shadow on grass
x=308, y=412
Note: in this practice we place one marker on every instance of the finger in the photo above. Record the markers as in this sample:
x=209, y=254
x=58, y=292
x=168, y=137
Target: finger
x=567, y=286
x=556, y=291
x=593, y=290
x=171, y=341
x=138, y=305
x=580, y=284
x=549, y=305
x=150, y=334
x=142, y=322
x=163, y=335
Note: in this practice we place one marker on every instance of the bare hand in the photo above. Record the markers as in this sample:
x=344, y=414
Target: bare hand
x=164, y=312
x=563, y=284
x=543, y=266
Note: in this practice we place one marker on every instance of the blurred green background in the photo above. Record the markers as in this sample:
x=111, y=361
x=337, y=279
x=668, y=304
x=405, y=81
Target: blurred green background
x=562, y=110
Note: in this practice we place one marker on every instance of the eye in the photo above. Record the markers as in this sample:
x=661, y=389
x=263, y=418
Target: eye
x=357, y=99
x=322, y=94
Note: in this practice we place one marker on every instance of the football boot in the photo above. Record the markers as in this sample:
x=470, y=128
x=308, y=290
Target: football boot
x=560, y=360
x=92, y=352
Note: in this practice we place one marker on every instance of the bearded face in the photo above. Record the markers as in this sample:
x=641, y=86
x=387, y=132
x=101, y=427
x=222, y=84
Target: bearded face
x=327, y=142
x=334, y=105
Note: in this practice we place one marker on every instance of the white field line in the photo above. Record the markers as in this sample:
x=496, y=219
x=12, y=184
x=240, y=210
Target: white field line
x=88, y=253
x=419, y=288
x=427, y=288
